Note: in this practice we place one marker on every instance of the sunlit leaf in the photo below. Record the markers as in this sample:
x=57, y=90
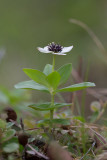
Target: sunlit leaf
x=55, y=121
x=31, y=85
x=53, y=79
x=36, y=75
x=65, y=72
x=8, y=134
x=48, y=106
x=76, y=87
x=11, y=147
x=48, y=69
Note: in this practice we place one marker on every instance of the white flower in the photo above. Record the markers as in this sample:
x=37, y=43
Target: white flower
x=95, y=106
x=55, y=49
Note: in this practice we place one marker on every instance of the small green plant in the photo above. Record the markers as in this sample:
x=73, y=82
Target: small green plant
x=50, y=80
x=8, y=142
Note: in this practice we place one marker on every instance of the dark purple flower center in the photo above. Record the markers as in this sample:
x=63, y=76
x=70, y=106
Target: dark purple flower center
x=55, y=47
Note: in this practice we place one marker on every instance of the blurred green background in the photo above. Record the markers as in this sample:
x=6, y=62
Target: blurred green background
x=27, y=24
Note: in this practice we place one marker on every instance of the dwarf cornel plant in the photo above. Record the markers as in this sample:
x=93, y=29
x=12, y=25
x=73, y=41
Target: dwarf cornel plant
x=50, y=80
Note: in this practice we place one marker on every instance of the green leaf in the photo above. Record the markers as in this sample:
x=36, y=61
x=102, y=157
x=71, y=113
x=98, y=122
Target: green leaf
x=2, y=124
x=41, y=107
x=53, y=79
x=55, y=121
x=61, y=121
x=48, y=69
x=10, y=124
x=3, y=98
x=76, y=87
x=79, y=118
x=31, y=85
x=36, y=75
x=47, y=106
x=65, y=72
x=8, y=134
x=94, y=116
x=12, y=147
x=58, y=105
x=12, y=140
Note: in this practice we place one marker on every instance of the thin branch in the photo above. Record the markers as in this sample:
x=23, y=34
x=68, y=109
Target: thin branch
x=31, y=129
x=88, y=150
x=37, y=153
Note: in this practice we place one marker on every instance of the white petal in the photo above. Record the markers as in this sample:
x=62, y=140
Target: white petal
x=60, y=53
x=66, y=49
x=44, y=50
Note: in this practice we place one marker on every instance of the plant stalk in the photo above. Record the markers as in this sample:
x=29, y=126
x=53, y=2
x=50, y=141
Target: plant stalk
x=52, y=95
x=53, y=65
x=52, y=111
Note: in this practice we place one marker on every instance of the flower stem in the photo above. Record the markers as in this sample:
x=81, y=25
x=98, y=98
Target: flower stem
x=53, y=63
x=52, y=103
x=52, y=95
x=51, y=115
x=52, y=111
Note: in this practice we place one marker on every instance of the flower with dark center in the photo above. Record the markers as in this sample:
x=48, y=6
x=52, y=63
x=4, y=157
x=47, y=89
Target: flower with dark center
x=55, y=49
